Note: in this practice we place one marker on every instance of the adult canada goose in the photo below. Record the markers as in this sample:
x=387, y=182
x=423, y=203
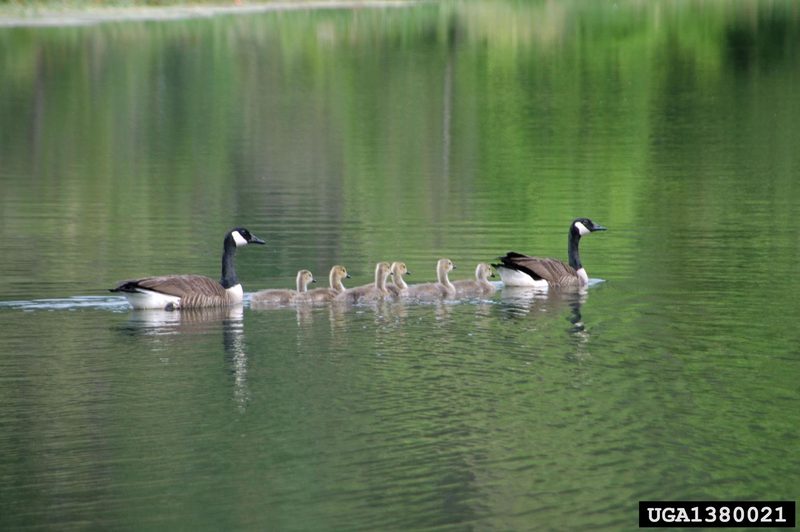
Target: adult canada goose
x=398, y=288
x=480, y=286
x=335, y=277
x=284, y=297
x=521, y=270
x=369, y=292
x=171, y=292
x=441, y=288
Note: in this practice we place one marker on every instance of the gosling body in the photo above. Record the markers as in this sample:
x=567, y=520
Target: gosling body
x=480, y=286
x=284, y=297
x=398, y=287
x=335, y=278
x=369, y=292
x=440, y=289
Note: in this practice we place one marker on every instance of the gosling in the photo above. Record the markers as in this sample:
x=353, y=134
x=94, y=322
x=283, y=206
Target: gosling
x=323, y=295
x=369, y=292
x=480, y=286
x=441, y=288
x=398, y=288
x=284, y=297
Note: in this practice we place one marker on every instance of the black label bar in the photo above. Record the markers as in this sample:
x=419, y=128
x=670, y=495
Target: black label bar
x=717, y=514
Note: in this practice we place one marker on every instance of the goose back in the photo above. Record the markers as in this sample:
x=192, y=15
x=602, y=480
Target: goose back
x=178, y=291
x=545, y=270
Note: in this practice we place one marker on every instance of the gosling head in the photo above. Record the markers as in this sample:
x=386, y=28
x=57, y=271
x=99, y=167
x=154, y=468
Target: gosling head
x=483, y=271
x=399, y=269
x=335, y=277
x=339, y=272
x=304, y=278
x=445, y=265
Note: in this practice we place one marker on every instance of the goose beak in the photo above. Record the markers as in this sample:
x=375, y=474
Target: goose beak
x=598, y=228
x=255, y=240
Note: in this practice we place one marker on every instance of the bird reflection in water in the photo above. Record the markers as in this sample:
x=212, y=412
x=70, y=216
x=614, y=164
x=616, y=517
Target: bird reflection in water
x=199, y=322
x=519, y=302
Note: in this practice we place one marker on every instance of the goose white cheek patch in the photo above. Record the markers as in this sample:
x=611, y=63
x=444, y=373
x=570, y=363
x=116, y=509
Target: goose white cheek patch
x=239, y=239
x=582, y=230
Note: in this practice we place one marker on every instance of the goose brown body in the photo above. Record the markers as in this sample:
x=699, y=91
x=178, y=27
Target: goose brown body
x=517, y=269
x=173, y=292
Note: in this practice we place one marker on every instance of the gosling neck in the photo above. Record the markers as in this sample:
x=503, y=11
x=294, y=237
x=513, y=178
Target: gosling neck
x=335, y=281
x=381, y=273
x=441, y=275
x=399, y=282
x=302, y=282
x=482, y=275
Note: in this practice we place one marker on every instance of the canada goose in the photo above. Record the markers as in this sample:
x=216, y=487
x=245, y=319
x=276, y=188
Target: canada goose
x=171, y=292
x=284, y=297
x=520, y=270
x=321, y=295
x=369, y=292
x=441, y=288
x=480, y=285
x=398, y=287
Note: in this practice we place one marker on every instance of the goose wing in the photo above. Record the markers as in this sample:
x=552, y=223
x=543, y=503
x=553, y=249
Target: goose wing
x=174, y=285
x=553, y=271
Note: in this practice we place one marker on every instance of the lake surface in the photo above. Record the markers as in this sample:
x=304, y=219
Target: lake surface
x=353, y=136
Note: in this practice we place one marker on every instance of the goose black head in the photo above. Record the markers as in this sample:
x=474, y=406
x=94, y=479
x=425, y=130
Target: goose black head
x=242, y=237
x=584, y=226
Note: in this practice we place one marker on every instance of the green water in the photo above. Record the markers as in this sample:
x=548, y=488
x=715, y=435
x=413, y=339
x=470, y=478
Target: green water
x=353, y=136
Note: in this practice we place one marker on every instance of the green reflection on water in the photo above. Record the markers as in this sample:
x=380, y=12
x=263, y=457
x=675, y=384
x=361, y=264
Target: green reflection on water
x=454, y=129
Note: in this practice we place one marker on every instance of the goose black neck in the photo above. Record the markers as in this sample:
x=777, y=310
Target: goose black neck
x=572, y=249
x=229, y=278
